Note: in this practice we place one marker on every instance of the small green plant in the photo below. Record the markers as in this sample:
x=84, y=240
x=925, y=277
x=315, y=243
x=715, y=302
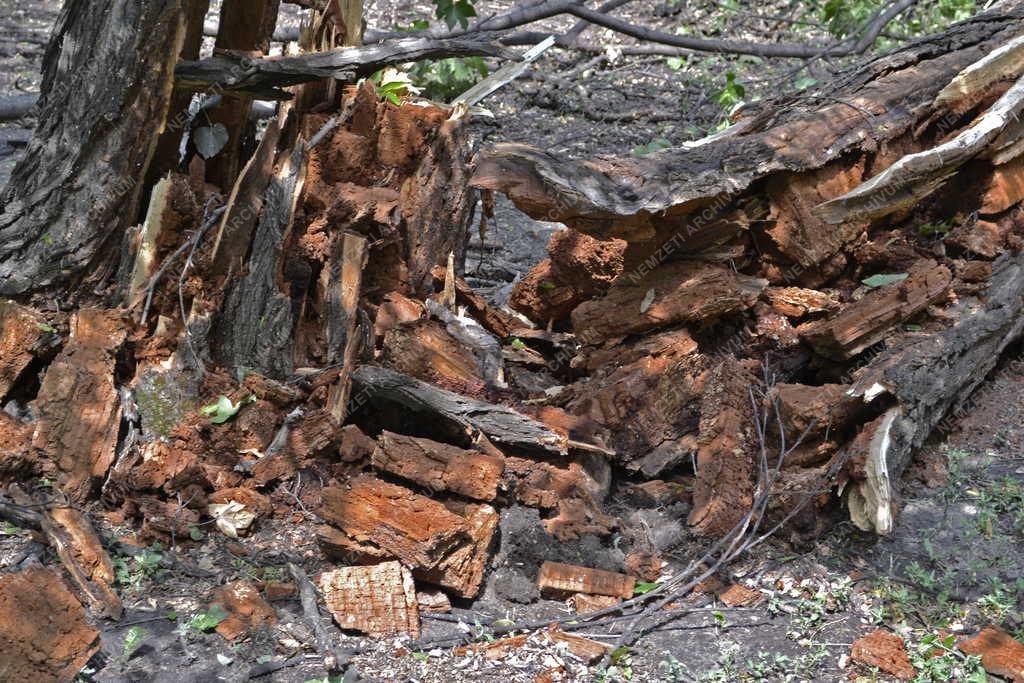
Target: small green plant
x=936, y=660
x=655, y=145
x=43, y=327
x=931, y=229
x=643, y=587
x=132, y=570
x=132, y=642
x=732, y=95
x=444, y=79
x=517, y=344
x=9, y=529
x=224, y=409
x=208, y=620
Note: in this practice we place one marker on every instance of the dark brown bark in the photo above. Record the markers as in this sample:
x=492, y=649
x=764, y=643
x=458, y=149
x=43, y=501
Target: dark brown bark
x=106, y=77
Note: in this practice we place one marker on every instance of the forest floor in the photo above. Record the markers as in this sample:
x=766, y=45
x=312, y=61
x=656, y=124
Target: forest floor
x=953, y=563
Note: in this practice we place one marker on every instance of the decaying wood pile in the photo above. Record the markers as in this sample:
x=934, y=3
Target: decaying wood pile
x=850, y=259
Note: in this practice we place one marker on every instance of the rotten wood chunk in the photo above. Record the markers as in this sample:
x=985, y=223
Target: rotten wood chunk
x=643, y=565
x=562, y=580
x=1005, y=189
x=462, y=570
x=245, y=607
x=810, y=411
x=683, y=291
x=439, y=466
x=343, y=285
x=1001, y=654
x=424, y=349
x=415, y=529
x=724, y=489
x=797, y=302
x=78, y=406
x=738, y=595
x=579, y=267
x=44, y=635
x=798, y=232
x=498, y=322
x=462, y=415
x=19, y=331
x=379, y=600
x=18, y=461
x=584, y=648
x=981, y=238
x=866, y=322
x=355, y=445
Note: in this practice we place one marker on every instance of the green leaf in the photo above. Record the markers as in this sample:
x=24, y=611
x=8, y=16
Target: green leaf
x=195, y=533
x=224, y=409
x=805, y=82
x=422, y=656
x=644, y=587
x=454, y=12
x=10, y=529
x=209, y=140
x=171, y=615
x=518, y=344
x=618, y=653
x=208, y=620
x=883, y=279
x=133, y=641
x=43, y=327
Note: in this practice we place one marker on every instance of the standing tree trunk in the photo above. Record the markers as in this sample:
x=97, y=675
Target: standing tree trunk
x=106, y=89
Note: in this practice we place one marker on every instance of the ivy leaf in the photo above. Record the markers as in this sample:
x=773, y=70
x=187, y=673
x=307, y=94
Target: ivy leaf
x=644, y=587
x=883, y=279
x=133, y=641
x=209, y=140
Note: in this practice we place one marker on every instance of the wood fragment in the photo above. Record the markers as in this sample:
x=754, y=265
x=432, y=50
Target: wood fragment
x=438, y=466
x=503, y=426
x=73, y=539
x=343, y=315
x=563, y=580
x=378, y=600
x=586, y=649
x=245, y=607
x=866, y=322
x=683, y=291
x=19, y=331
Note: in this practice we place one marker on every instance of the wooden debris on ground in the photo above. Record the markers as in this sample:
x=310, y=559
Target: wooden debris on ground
x=438, y=466
x=1000, y=653
x=245, y=607
x=377, y=600
x=564, y=580
x=586, y=649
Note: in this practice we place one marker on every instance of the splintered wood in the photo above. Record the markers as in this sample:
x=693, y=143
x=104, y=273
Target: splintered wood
x=562, y=580
x=378, y=600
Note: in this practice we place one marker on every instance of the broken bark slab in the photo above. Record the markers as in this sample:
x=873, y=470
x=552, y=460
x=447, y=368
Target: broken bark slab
x=726, y=464
x=435, y=601
x=1000, y=653
x=343, y=289
x=632, y=198
x=438, y=466
x=465, y=416
x=266, y=76
x=44, y=635
x=918, y=175
x=932, y=375
x=563, y=580
x=395, y=310
x=417, y=530
x=19, y=331
x=378, y=600
x=584, y=603
x=682, y=291
x=866, y=322
x=78, y=405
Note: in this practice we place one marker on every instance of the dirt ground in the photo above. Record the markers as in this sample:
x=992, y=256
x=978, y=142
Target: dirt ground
x=954, y=561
